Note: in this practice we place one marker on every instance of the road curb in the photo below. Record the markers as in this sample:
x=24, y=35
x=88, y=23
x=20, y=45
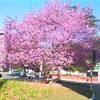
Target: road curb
x=93, y=95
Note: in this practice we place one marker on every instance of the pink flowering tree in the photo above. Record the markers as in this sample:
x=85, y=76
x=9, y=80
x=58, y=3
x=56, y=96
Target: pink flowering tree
x=50, y=36
x=19, y=43
x=2, y=50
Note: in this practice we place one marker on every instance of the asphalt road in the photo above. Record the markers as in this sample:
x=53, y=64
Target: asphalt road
x=96, y=87
x=6, y=75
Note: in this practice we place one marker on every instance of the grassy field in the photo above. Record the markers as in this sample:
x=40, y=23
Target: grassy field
x=21, y=90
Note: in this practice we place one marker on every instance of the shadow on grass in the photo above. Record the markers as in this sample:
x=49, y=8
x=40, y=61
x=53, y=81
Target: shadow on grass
x=80, y=88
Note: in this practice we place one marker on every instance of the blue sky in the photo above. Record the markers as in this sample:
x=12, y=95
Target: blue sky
x=18, y=8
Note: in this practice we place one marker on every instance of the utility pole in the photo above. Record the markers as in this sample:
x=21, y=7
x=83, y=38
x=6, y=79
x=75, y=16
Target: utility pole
x=92, y=65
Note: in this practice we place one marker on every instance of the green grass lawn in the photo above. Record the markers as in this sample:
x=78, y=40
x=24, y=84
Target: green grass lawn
x=21, y=90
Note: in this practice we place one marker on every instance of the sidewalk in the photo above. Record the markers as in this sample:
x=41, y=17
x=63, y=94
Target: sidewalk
x=96, y=89
x=81, y=79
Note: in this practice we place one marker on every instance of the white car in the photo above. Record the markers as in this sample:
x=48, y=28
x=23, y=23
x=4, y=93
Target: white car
x=31, y=76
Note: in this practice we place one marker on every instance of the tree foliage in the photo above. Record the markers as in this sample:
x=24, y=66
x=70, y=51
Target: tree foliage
x=49, y=37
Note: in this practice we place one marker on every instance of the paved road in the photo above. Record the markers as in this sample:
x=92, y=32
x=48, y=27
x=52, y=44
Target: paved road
x=96, y=89
x=6, y=75
x=80, y=88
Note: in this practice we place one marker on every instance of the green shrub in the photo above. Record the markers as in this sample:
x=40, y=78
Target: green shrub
x=1, y=81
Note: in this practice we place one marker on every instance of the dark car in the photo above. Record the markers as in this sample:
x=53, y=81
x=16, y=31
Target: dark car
x=0, y=75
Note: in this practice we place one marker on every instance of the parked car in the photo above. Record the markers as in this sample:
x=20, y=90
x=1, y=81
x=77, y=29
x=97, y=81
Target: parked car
x=15, y=72
x=0, y=75
x=31, y=75
x=35, y=75
x=39, y=75
x=22, y=73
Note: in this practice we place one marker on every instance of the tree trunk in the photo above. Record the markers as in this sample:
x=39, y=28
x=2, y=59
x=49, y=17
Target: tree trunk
x=24, y=72
x=47, y=74
x=59, y=74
